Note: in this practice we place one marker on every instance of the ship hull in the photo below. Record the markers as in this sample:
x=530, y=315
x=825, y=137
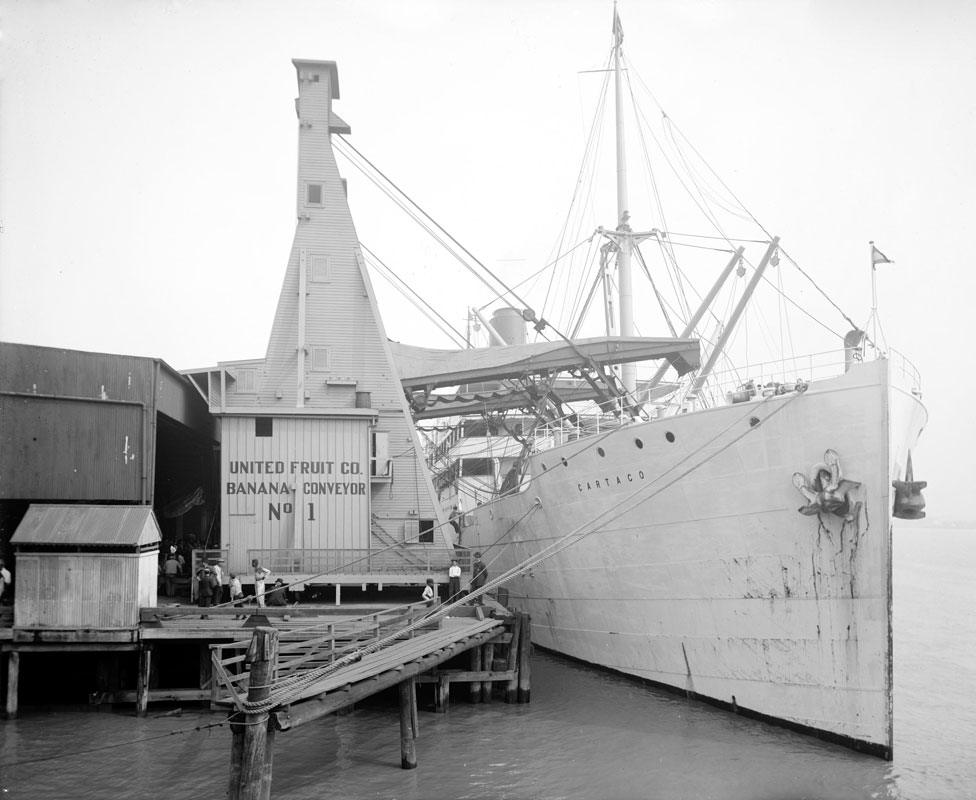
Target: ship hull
x=682, y=558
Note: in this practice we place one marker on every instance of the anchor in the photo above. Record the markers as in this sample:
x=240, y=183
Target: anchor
x=909, y=501
x=827, y=490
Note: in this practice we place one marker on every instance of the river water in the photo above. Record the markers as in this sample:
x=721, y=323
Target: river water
x=586, y=734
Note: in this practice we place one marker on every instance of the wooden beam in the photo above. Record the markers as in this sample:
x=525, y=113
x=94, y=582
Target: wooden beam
x=317, y=707
x=142, y=680
x=475, y=688
x=487, y=661
x=467, y=676
x=408, y=713
x=525, y=651
x=511, y=689
x=443, y=699
x=253, y=776
x=13, y=675
x=160, y=696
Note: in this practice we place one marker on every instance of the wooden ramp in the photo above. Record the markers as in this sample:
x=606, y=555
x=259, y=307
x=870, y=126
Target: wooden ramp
x=289, y=683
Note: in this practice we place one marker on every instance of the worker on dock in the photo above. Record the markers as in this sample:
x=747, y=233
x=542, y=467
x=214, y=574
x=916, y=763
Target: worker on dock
x=453, y=581
x=429, y=593
x=204, y=587
x=236, y=590
x=479, y=573
x=277, y=596
x=218, y=575
x=5, y=596
x=260, y=576
x=171, y=569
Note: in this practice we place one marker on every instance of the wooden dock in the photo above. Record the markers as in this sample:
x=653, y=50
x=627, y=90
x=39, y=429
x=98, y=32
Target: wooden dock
x=276, y=684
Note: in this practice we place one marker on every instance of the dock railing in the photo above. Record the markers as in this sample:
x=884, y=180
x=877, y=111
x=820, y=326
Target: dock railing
x=305, y=648
x=422, y=563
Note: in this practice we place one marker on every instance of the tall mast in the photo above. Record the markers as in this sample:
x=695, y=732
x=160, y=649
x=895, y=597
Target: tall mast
x=625, y=243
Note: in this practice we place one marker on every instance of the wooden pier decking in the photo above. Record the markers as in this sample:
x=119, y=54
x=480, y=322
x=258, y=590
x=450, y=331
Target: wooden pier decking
x=291, y=683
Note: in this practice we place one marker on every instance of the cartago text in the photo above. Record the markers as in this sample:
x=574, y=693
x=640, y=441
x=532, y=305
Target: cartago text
x=609, y=483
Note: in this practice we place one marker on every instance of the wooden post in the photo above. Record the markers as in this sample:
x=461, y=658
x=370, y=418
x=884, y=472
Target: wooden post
x=511, y=688
x=142, y=680
x=408, y=712
x=443, y=694
x=488, y=659
x=13, y=674
x=235, y=720
x=205, y=661
x=253, y=776
x=525, y=650
x=475, y=686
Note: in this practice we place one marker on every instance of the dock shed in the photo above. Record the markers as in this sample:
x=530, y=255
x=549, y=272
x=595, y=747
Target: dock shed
x=85, y=566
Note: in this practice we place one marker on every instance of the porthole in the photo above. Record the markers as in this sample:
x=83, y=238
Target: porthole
x=669, y=436
x=639, y=443
x=601, y=452
x=544, y=467
x=753, y=422
x=565, y=462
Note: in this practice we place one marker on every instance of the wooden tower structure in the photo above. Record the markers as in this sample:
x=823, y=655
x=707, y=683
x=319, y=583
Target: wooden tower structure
x=322, y=471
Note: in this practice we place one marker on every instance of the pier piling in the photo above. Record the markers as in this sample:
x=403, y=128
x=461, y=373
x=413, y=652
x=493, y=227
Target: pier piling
x=142, y=680
x=13, y=675
x=475, y=667
x=255, y=746
x=511, y=688
x=408, y=724
x=524, y=651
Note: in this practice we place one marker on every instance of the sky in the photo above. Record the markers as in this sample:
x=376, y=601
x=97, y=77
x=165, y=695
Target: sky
x=148, y=151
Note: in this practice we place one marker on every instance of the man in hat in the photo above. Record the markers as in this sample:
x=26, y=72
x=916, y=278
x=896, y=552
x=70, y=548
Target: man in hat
x=453, y=581
x=218, y=575
x=479, y=573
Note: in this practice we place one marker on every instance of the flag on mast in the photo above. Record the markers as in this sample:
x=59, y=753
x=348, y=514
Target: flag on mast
x=618, y=29
x=877, y=257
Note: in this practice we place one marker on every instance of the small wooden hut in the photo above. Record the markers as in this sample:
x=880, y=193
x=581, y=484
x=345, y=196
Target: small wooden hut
x=85, y=566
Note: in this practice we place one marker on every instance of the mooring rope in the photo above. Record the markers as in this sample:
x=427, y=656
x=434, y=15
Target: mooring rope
x=290, y=688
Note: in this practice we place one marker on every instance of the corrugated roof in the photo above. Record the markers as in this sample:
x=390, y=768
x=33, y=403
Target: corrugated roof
x=87, y=525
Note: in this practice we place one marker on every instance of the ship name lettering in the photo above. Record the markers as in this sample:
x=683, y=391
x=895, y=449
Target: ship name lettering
x=608, y=482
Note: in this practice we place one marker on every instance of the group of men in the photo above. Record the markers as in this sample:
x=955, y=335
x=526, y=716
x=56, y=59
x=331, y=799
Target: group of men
x=479, y=576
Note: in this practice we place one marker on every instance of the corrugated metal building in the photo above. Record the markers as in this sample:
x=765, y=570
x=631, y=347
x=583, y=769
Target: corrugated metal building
x=321, y=467
x=88, y=566
x=82, y=427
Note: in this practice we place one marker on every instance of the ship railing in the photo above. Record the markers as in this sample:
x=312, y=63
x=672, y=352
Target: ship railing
x=904, y=373
x=762, y=378
x=755, y=379
x=322, y=562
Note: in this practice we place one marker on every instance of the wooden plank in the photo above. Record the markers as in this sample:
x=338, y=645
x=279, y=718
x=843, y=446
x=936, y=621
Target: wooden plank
x=160, y=696
x=315, y=708
x=466, y=676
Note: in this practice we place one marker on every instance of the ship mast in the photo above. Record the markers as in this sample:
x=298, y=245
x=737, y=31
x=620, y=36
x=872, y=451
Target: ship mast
x=625, y=243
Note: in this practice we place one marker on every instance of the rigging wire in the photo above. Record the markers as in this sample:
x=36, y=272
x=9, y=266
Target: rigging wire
x=592, y=144
x=404, y=288
x=508, y=292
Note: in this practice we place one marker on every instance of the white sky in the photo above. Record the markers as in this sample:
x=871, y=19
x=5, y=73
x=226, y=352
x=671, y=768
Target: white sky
x=147, y=157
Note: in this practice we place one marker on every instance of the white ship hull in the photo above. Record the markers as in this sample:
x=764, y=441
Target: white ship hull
x=700, y=573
